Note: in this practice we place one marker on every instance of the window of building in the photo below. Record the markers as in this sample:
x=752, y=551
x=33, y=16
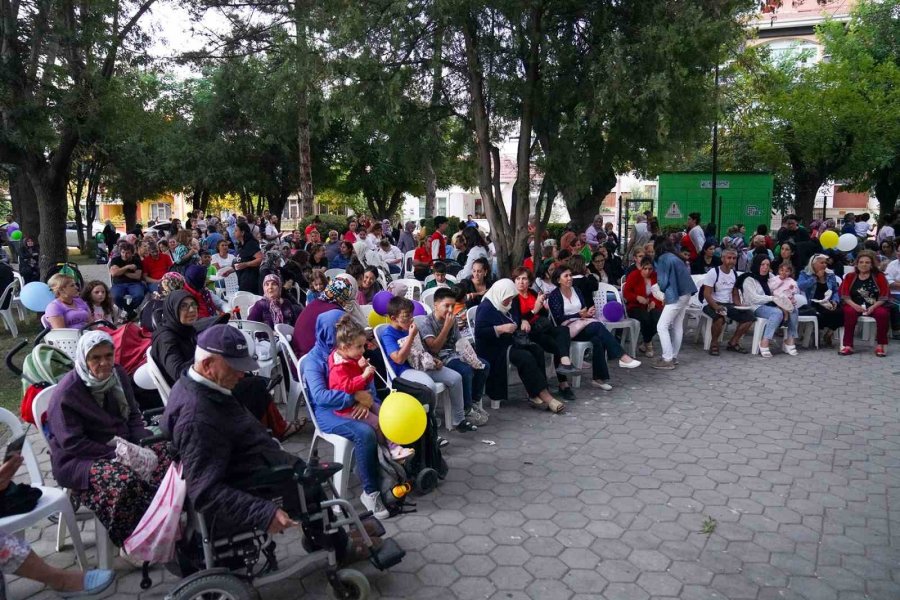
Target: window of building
x=160, y=211
x=803, y=52
x=442, y=206
x=421, y=208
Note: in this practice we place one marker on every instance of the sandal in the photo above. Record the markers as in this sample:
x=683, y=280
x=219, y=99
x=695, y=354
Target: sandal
x=879, y=351
x=736, y=348
x=556, y=406
x=845, y=351
x=765, y=352
x=294, y=427
x=714, y=351
x=538, y=404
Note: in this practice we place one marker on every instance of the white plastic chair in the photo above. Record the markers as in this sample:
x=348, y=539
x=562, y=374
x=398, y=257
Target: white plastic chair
x=285, y=333
x=255, y=329
x=16, y=300
x=332, y=273
x=7, y=313
x=342, y=447
x=577, y=352
x=105, y=548
x=413, y=288
x=470, y=321
x=442, y=395
x=450, y=279
x=427, y=298
x=53, y=500
x=158, y=378
x=243, y=301
x=808, y=320
x=366, y=310
x=406, y=268
x=232, y=286
x=631, y=327
x=64, y=339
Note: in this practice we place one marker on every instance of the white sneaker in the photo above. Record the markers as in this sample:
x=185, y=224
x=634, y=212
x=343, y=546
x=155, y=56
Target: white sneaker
x=373, y=503
x=601, y=384
x=482, y=414
x=634, y=364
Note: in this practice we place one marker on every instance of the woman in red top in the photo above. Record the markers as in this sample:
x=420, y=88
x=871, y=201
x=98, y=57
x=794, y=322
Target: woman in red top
x=422, y=259
x=865, y=293
x=641, y=304
x=529, y=310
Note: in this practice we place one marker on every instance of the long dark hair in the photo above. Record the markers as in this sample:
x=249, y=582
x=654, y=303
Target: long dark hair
x=663, y=244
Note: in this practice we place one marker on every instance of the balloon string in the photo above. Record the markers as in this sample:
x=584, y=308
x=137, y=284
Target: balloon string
x=377, y=374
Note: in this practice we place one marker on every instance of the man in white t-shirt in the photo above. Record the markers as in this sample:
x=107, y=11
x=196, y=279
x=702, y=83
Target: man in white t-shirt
x=722, y=301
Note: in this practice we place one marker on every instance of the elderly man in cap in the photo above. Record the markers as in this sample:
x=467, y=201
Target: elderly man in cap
x=221, y=444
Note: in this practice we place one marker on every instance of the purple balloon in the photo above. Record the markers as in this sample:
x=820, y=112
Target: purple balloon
x=613, y=312
x=380, y=302
x=418, y=309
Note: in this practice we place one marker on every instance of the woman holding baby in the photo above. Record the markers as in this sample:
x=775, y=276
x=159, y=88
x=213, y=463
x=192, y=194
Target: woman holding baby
x=822, y=290
x=772, y=298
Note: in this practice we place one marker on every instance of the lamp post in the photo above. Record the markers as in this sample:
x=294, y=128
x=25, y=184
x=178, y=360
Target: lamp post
x=715, y=143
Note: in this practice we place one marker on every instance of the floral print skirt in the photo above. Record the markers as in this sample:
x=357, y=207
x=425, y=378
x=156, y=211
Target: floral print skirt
x=118, y=496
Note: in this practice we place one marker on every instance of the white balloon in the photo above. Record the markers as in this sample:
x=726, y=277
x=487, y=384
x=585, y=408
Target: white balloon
x=847, y=242
x=142, y=378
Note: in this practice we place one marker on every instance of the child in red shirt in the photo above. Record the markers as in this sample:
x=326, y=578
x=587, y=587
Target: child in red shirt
x=348, y=371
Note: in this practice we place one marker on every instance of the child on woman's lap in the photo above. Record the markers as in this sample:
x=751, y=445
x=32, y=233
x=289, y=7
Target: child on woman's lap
x=348, y=371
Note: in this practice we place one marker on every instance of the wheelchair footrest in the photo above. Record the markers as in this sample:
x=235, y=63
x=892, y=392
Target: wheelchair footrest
x=389, y=554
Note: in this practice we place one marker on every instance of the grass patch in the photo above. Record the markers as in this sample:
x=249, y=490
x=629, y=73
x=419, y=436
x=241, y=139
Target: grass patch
x=11, y=385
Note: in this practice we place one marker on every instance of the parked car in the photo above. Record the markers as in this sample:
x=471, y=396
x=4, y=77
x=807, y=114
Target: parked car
x=72, y=232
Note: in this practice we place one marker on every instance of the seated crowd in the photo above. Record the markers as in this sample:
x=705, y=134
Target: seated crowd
x=475, y=328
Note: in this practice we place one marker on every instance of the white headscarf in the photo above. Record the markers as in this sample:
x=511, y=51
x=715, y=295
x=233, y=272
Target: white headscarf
x=500, y=291
x=99, y=387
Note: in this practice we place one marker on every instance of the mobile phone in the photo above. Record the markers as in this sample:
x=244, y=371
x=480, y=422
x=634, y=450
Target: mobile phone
x=15, y=446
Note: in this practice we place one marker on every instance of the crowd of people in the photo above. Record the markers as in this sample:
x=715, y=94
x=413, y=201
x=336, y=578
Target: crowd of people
x=477, y=325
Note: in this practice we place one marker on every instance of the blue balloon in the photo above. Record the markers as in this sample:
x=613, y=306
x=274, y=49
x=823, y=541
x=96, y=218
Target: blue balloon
x=35, y=296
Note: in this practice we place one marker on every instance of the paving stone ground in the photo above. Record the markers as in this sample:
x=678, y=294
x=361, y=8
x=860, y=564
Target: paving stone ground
x=795, y=459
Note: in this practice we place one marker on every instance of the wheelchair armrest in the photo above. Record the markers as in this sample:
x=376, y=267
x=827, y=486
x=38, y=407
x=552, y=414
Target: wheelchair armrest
x=152, y=412
x=262, y=477
x=153, y=439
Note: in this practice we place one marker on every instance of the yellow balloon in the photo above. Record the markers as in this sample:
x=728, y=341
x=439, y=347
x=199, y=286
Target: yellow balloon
x=401, y=418
x=375, y=319
x=829, y=239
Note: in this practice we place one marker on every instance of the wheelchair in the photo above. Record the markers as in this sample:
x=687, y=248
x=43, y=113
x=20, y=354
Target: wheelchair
x=219, y=564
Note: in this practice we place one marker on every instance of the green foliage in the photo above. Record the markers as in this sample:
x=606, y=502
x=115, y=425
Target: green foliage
x=329, y=222
x=556, y=230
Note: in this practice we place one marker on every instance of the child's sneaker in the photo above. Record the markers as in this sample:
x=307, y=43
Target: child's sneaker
x=400, y=453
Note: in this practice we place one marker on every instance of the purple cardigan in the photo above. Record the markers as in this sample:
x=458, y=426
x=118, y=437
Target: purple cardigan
x=80, y=428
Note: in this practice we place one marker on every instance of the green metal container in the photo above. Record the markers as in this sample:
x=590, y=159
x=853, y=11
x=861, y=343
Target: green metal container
x=741, y=198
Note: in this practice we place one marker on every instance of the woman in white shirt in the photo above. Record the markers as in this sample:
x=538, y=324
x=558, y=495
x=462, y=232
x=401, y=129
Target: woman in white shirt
x=222, y=259
x=476, y=248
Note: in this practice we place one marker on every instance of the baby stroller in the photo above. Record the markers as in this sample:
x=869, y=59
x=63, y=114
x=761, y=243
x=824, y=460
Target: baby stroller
x=216, y=562
x=102, y=252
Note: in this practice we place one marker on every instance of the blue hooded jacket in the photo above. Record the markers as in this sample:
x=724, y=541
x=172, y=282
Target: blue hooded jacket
x=315, y=375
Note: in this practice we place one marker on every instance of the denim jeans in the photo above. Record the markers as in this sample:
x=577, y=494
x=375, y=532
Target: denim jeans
x=365, y=443
x=473, y=379
x=604, y=345
x=450, y=378
x=774, y=316
x=120, y=290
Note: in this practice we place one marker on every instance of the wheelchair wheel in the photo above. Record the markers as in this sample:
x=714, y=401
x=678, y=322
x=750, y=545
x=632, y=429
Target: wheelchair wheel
x=426, y=481
x=215, y=587
x=356, y=586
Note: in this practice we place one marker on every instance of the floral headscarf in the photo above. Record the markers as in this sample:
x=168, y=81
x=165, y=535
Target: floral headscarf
x=170, y=282
x=342, y=291
x=275, y=306
x=99, y=387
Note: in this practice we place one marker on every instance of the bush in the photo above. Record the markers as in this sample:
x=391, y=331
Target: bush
x=556, y=230
x=328, y=222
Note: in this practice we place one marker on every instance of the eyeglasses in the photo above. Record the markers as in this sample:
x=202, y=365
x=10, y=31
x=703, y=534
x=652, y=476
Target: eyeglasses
x=189, y=307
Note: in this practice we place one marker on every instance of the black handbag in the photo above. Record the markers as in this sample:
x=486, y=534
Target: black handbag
x=18, y=499
x=520, y=339
x=541, y=325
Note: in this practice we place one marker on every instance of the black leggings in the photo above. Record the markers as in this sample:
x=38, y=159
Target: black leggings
x=648, y=320
x=554, y=340
x=529, y=361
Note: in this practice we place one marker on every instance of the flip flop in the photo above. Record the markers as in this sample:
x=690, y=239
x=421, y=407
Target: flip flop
x=736, y=348
x=294, y=427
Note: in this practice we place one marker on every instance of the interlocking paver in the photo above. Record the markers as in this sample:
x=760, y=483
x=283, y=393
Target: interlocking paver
x=609, y=500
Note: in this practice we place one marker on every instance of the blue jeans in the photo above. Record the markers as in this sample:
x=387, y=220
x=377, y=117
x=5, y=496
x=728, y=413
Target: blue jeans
x=120, y=290
x=473, y=379
x=365, y=446
x=774, y=316
x=605, y=347
x=394, y=269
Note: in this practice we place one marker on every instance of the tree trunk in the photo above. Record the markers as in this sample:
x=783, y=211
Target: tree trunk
x=806, y=186
x=437, y=84
x=277, y=202
x=24, y=204
x=90, y=204
x=385, y=207
x=430, y=186
x=487, y=155
x=80, y=180
x=887, y=188
x=50, y=195
x=583, y=205
x=129, y=210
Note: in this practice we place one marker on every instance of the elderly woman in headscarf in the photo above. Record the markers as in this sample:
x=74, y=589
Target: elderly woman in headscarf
x=208, y=304
x=273, y=309
x=494, y=332
x=95, y=425
x=170, y=282
x=340, y=294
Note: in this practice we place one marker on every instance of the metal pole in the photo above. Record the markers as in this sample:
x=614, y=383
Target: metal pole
x=715, y=144
x=824, y=205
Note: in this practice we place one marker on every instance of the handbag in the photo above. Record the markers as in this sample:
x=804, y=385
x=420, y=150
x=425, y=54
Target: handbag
x=160, y=528
x=18, y=499
x=520, y=339
x=576, y=326
x=541, y=325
